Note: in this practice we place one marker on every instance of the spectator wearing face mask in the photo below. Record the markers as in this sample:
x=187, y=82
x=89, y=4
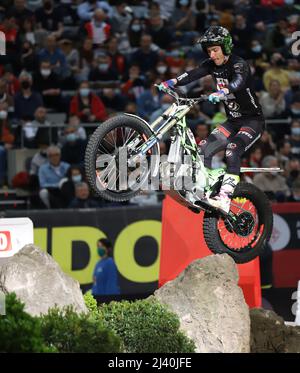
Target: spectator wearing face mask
x=134, y=32
x=28, y=58
x=295, y=106
x=47, y=82
x=102, y=70
x=50, y=18
x=73, y=177
x=105, y=276
x=277, y=72
x=55, y=55
x=294, y=138
x=27, y=100
x=165, y=103
x=162, y=71
x=87, y=105
x=73, y=149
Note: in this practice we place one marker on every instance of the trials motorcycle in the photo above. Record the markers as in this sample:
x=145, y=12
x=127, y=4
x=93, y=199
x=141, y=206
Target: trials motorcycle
x=123, y=153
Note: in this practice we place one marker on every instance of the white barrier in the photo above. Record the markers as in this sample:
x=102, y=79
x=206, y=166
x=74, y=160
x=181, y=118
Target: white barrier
x=14, y=234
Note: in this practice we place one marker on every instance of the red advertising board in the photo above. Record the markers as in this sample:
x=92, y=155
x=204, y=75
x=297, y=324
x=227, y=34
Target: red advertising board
x=285, y=242
x=183, y=242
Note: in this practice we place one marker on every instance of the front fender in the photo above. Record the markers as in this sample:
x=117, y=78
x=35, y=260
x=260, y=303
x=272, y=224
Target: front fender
x=157, y=159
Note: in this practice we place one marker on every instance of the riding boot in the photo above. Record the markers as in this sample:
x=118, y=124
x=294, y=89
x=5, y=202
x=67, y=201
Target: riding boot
x=222, y=200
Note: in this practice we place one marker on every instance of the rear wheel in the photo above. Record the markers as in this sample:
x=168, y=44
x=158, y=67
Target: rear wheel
x=106, y=158
x=243, y=234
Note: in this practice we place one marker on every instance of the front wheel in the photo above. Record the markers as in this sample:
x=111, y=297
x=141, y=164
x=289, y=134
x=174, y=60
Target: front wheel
x=245, y=231
x=107, y=155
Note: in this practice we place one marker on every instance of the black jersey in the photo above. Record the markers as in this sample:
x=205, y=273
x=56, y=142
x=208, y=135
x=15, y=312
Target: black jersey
x=235, y=75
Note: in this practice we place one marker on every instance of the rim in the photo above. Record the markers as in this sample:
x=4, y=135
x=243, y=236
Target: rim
x=243, y=229
x=111, y=163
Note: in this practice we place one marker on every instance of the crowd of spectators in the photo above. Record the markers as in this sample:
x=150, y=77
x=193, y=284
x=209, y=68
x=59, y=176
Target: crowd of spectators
x=89, y=60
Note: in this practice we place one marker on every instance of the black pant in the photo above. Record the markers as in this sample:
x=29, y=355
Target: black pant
x=236, y=137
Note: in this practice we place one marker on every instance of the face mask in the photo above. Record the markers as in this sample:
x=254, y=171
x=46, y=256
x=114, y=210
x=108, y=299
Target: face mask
x=71, y=137
x=183, y=2
x=76, y=178
x=101, y=251
x=45, y=72
x=136, y=28
x=84, y=92
x=103, y=66
x=25, y=84
x=161, y=69
x=295, y=131
x=3, y=114
x=279, y=63
x=256, y=49
x=295, y=111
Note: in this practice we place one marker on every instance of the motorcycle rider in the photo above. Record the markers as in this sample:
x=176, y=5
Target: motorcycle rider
x=245, y=122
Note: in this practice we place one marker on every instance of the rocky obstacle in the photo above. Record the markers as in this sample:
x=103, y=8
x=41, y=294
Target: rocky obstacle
x=39, y=282
x=270, y=334
x=210, y=305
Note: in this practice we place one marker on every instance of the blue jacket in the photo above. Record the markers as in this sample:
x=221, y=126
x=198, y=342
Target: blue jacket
x=49, y=177
x=106, y=275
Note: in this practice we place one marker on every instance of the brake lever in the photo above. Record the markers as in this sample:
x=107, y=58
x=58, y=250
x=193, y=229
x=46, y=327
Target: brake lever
x=171, y=92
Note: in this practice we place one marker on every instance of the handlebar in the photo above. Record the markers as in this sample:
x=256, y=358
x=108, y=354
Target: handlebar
x=175, y=95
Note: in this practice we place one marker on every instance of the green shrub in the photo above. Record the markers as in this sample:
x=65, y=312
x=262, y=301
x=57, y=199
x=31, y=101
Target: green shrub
x=70, y=332
x=19, y=331
x=91, y=303
x=146, y=326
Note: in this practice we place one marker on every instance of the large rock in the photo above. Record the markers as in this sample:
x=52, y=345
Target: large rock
x=39, y=282
x=270, y=334
x=210, y=305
